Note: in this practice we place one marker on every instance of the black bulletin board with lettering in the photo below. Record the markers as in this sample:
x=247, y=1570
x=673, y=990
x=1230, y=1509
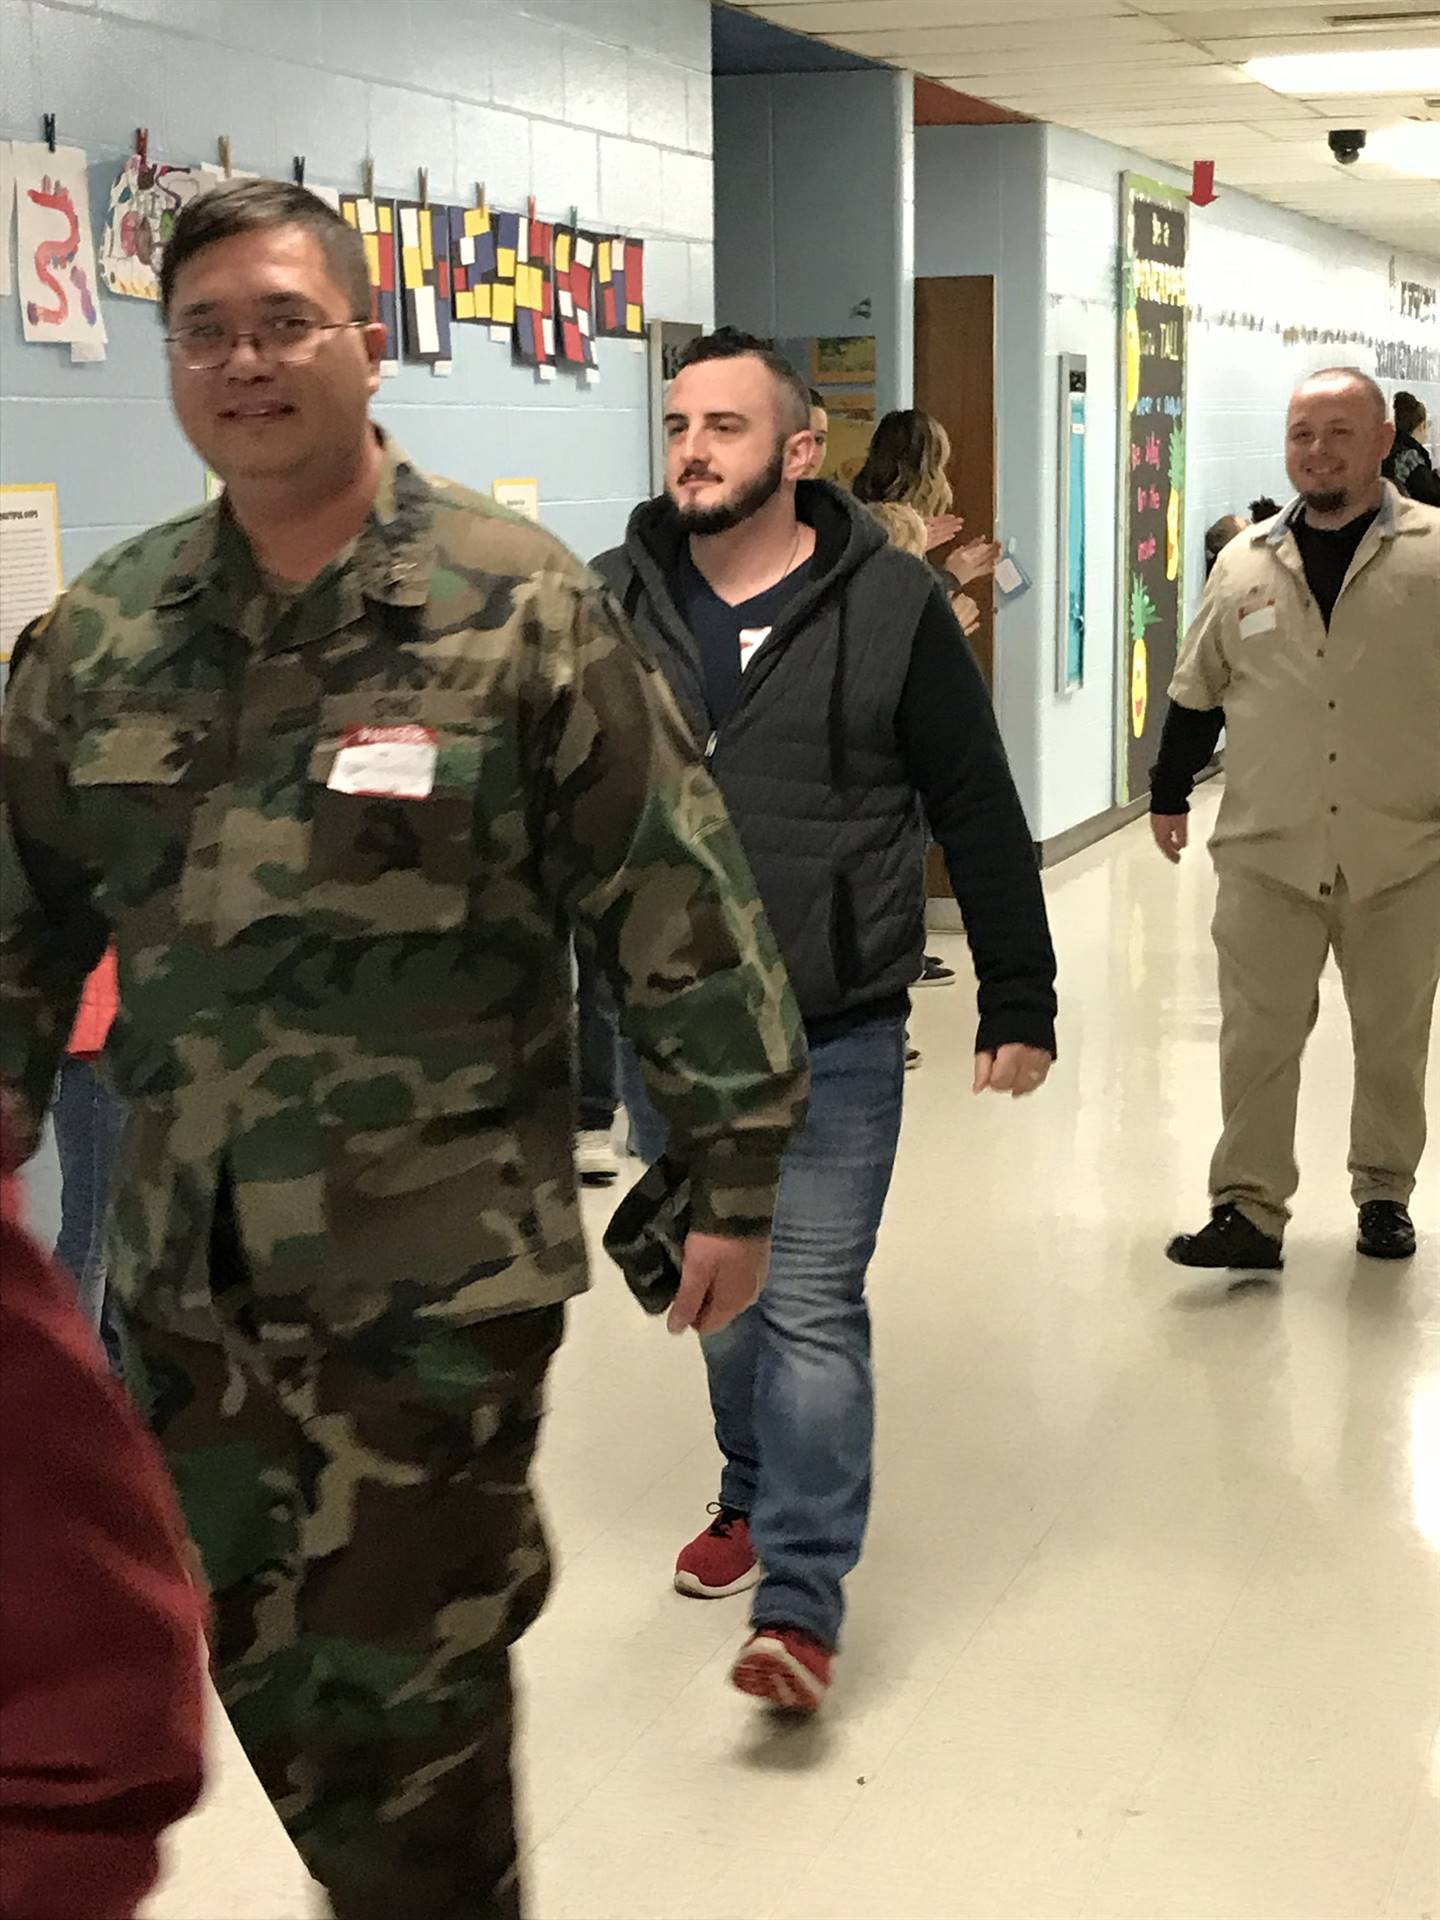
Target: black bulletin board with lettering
x=1154, y=240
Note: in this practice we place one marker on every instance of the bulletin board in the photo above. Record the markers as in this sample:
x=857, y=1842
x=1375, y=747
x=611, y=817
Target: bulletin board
x=1154, y=245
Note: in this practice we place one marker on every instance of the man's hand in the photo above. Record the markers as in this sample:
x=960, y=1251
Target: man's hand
x=1172, y=834
x=1015, y=1070
x=722, y=1278
x=941, y=528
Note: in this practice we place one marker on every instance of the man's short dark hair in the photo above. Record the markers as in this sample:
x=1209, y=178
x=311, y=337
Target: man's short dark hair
x=1357, y=376
x=256, y=206
x=817, y=400
x=728, y=343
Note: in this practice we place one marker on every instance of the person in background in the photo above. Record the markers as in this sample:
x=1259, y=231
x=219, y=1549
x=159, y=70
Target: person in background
x=89, y=1126
x=1219, y=535
x=1263, y=509
x=826, y=675
x=342, y=762
x=1315, y=647
x=819, y=433
x=1408, y=462
x=101, y=1655
x=905, y=485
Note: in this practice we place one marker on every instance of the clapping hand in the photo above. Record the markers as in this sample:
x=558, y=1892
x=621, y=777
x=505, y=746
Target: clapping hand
x=976, y=560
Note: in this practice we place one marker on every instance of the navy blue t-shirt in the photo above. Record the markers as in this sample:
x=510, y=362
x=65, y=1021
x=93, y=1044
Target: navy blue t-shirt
x=728, y=636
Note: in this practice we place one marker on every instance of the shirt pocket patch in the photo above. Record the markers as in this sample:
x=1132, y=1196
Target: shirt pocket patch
x=385, y=864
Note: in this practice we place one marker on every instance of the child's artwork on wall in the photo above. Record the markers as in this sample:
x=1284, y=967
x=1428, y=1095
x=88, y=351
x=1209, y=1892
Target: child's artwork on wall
x=145, y=203
x=375, y=222
x=59, y=297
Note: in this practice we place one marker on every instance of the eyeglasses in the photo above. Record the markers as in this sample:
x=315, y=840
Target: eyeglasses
x=281, y=339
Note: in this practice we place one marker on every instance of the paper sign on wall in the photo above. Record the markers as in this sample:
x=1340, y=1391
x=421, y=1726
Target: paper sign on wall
x=59, y=295
x=520, y=496
x=30, y=578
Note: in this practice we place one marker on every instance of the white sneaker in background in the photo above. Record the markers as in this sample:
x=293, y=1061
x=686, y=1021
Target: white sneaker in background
x=595, y=1158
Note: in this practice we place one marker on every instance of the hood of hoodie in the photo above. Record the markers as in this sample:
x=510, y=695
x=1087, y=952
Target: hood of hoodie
x=846, y=536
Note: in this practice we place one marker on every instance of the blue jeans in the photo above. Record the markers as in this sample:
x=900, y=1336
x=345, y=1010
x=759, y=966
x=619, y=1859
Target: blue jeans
x=790, y=1381
x=596, y=1034
x=89, y=1124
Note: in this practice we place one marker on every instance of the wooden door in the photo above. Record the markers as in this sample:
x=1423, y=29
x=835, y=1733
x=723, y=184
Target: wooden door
x=955, y=382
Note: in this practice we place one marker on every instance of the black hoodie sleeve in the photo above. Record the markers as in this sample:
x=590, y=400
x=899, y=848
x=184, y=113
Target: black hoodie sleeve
x=957, y=763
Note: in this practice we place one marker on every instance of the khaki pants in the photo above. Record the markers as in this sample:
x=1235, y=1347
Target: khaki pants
x=1273, y=944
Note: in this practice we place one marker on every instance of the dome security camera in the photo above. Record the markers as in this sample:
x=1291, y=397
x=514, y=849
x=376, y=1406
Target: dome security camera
x=1347, y=144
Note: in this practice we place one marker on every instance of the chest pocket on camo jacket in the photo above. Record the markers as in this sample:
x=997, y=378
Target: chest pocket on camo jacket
x=398, y=863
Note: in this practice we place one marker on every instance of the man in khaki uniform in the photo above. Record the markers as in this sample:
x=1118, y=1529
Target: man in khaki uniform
x=1317, y=648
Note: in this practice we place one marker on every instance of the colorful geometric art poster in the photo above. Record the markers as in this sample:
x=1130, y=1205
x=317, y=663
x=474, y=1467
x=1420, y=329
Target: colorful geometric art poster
x=620, y=279
x=472, y=263
x=59, y=295
x=374, y=220
x=145, y=203
x=535, y=294
x=575, y=297
x=1154, y=248
x=499, y=280
x=425, y=280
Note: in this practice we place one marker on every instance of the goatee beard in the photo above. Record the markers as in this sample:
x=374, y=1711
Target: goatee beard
x=705, y=521
x=1332, y=502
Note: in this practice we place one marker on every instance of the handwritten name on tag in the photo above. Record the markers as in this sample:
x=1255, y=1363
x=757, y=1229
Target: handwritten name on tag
x=386, y=763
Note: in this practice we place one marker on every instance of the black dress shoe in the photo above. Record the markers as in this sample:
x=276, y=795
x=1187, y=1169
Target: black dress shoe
x=1230, y=1240
x=1386, y=1231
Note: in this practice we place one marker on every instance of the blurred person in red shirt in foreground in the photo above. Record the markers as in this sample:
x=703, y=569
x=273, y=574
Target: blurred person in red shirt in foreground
x=101, y=1663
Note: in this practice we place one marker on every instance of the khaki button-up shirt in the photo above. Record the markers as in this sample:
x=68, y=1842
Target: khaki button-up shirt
x=1333, y=737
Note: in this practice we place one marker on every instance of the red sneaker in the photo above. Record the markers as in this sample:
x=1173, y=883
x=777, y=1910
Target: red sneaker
x=719, y=1561
x=786, y=1666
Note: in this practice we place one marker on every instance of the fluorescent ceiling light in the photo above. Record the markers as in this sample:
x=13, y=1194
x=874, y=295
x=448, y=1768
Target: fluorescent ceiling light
x=1412, y=147
x=1400, y=70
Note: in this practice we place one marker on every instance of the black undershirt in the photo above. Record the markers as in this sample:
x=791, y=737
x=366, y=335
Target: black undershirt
x=1191, y=735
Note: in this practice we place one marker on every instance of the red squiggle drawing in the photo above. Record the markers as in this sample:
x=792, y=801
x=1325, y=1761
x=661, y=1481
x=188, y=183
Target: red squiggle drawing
x=56, y=198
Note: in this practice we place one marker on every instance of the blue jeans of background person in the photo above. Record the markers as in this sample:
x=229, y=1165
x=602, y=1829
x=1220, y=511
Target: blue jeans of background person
x=597, y=1035
x=89, y=1125
x=791, y=1386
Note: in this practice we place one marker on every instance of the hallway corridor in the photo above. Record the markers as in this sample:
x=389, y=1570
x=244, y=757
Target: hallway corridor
x=1148, y=1626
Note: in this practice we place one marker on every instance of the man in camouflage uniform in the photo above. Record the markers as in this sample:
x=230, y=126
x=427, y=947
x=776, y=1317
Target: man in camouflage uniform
x=339, y=763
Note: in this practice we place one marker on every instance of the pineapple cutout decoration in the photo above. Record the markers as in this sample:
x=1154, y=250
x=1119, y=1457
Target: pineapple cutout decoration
x=1175, y=505
x=1143, y=614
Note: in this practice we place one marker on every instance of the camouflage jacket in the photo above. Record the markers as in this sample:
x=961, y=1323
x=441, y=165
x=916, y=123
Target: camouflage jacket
x=357, y=1009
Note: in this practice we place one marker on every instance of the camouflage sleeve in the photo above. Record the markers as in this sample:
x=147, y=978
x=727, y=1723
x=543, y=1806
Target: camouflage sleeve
x=640, y=854
x=51, y=933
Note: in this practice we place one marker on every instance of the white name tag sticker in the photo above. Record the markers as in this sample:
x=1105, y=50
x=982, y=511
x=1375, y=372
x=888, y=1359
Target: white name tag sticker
x=751, y=640
x=386, y=763
x=1258, y=620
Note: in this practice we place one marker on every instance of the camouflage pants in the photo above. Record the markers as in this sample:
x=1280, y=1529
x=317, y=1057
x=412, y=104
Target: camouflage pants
x=373, y=1550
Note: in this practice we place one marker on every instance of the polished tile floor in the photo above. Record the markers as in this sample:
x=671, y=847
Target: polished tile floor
x=1149, y=1623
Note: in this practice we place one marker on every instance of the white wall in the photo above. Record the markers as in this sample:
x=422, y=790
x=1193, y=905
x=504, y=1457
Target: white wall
x=813, y=174
x=604, y=104
x=1039, y=208
x=1247, y=258
x=980, y=209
